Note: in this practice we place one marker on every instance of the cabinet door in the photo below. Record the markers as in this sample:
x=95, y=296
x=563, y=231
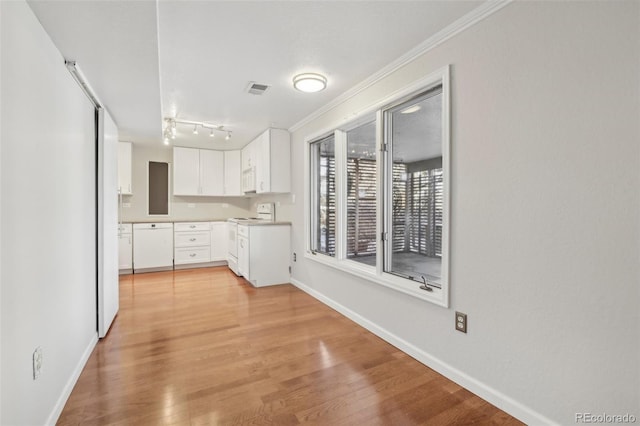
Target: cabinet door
x=124, y=251
x=245, y=153
x=219, y=241
x=232, y=173
x=124, y=167
x=186, y=171
x=211, y=172
x=263, y=163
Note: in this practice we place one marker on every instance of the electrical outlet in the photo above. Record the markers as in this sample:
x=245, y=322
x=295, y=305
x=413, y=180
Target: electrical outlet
x=294, y=257
x=37, y=362
x=461, y=322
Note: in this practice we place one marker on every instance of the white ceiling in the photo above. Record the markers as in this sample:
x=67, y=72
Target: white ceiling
x=194, y=59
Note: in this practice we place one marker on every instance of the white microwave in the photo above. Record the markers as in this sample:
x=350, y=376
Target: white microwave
x=249, y=180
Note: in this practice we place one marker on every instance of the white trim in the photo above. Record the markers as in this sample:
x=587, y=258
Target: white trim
x=402, y=285
x=476, y=15
x=491, y=395
x=66, y=391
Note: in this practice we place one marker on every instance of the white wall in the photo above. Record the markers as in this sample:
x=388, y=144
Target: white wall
x=48, y=224
x=204, y=208
x=545, y=212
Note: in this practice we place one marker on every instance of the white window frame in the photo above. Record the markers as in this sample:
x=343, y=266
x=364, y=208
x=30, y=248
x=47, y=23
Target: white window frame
x=376, y=274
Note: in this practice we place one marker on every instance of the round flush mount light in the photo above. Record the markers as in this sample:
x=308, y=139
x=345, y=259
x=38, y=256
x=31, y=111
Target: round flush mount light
x=309, y=82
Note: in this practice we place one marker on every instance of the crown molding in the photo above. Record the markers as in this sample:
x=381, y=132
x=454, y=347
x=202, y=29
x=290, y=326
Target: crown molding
x=476, y=15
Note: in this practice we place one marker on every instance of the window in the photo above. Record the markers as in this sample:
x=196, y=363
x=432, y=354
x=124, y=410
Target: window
x=361, y=194
x=378, y=192
x=413, y=137
x=323, y=232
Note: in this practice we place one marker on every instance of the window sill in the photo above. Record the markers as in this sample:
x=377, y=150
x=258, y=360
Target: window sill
x=369, y=273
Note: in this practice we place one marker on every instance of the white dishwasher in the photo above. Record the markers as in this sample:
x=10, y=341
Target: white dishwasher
x=152, y=247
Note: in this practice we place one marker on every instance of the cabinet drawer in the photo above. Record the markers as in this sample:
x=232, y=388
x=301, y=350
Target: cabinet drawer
x=191, y=226
x=190, y=239
x=192, y=255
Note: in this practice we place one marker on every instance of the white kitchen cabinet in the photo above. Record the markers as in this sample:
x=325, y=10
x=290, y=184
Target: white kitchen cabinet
x=211, y=172
x=232, y=173
x=248, y=156
x=198, y=172
x=192, y=243
x=125, y=248
x=186, y=171
x=272, y=152
x=219, y=241
x=124, y=168
x=263, y=253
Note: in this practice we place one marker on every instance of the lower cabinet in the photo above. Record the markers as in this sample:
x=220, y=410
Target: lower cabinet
x=192, y=243
x=199, y=243
x=219, y=241
x=263, y=253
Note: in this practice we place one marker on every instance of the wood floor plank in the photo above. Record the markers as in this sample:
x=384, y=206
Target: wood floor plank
x=203, y=347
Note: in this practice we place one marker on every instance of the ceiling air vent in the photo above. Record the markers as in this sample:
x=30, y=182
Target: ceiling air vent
x=257, y=88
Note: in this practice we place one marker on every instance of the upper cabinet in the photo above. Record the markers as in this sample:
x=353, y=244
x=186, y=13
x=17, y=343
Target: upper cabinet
x=124, y=168
x=272, y=153
x=198, y=172
x=232, y=173
x=249, y=155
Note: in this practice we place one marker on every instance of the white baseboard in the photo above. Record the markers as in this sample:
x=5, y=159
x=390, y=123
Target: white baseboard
x=500, y=400
x=66, y=392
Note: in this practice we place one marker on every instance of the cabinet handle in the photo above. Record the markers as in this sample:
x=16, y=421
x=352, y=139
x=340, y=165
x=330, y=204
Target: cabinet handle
x=192, y=239
x=192, y=255
x=192, y=226
x=129, y=186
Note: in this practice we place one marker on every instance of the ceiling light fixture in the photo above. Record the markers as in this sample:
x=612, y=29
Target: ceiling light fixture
x=170, y=127
x=309, y=82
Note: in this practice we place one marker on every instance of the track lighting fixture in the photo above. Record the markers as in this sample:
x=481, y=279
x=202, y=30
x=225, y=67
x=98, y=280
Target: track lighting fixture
x=170, y=128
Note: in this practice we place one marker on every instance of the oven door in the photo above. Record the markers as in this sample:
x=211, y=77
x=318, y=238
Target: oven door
x=233, y=239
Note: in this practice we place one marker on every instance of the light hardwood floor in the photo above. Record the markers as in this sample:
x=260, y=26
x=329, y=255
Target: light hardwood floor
x=203, y=347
